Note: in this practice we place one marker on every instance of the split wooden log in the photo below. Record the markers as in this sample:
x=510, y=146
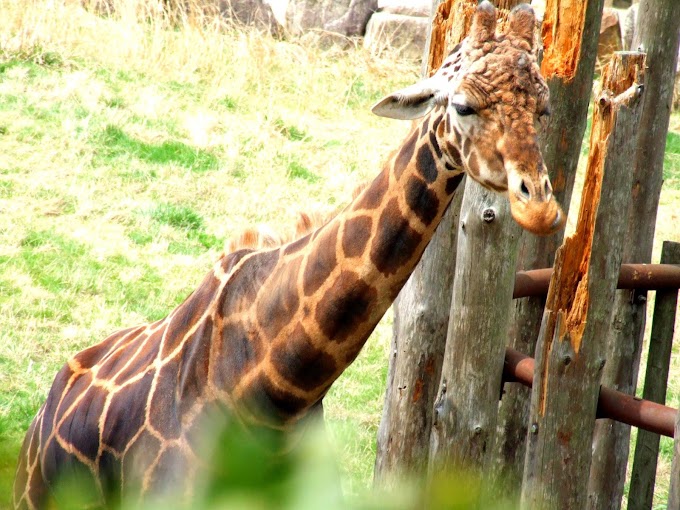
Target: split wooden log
x=464, y=421
x=570, y=352
x=570, y=32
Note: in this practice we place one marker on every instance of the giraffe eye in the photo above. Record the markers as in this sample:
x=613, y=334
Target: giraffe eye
x=464, y=110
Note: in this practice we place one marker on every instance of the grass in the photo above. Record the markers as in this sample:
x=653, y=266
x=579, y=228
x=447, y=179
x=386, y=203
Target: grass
x=131, y=150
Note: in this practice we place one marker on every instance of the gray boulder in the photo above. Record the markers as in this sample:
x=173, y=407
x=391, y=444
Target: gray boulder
x=406, y=34
x=354, y=21
x=405, y=7
x=304, y=15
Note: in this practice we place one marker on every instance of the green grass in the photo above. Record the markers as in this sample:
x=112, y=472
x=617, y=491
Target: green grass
x=671, y=162
x=130, y=155
x=117, y=144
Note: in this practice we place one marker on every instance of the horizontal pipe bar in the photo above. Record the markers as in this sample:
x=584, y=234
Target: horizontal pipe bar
x=632, y=276
x=612, y=404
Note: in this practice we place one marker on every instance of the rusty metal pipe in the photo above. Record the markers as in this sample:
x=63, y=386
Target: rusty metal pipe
x=612, y=404
x=632, y=276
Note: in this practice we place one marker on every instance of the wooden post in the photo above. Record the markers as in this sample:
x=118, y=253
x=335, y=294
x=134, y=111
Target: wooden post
x=641, y=493
x=658, y=33
x=575, y=32
x=570, y=351
x=464, y=421
x=465, y=411
x=421, y=311
x=674, y=489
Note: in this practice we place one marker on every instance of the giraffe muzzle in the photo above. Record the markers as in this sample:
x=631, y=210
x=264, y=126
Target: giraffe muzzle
x=540, y=217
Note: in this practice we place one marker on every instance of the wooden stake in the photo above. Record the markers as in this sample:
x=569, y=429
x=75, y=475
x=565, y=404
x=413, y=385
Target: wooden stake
x=561, y=148
x=641, y=493
x=570, y=352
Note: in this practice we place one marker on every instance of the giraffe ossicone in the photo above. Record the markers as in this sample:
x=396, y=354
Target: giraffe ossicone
x=268, y=330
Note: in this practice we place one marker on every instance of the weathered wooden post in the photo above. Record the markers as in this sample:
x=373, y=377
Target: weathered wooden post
x=570, y=352
x=570, y=33
x=674, y=489
x=465, y=411
x=658, y=34
x=464, y=422
x=422, y=309
x=641, y=493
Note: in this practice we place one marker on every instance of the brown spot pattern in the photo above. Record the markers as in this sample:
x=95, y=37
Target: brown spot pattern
x=396, y=242
x=372, y=197
x=452, y=183
x=126, y=413
x=276, y=306
x=425, y=164
x=241, y=350
x=405, y=155
x=422, y=200
x=340, y=313
x=189, y=313
x=356, y=235
x=321, y=261
x=78, y=429
x=267, y=402
x=301, y=363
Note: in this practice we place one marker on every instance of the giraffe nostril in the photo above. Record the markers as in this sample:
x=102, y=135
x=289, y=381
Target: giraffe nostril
x=524, y=190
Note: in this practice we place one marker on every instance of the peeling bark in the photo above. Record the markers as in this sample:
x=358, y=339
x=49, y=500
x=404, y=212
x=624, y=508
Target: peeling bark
x=570, y=351
x=450, y=25
x=561, y=31
x=658, y=33
x=561, y=147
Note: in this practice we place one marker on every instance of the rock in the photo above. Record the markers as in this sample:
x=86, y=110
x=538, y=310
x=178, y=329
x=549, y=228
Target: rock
x=304, y=15
x=406, y=34
x=354, y=21
x=255, y=13
x=610, y=36
x=278, y=8
x=406, y=7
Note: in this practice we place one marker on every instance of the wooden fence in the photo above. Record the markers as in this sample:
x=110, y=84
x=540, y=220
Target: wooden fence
x=585, y=333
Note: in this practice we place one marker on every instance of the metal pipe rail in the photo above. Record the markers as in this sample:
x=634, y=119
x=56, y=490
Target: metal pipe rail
x=611, y=404
x=633, y=276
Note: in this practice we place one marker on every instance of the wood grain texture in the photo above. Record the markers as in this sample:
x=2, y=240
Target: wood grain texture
x=570, y=352
x=561, y=148
x=658, y=33
x=641, y=493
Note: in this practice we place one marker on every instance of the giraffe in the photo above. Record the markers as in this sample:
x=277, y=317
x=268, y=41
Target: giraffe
x=268, y=330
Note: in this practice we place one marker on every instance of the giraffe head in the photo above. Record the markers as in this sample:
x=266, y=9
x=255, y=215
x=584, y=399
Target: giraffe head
x=491, y=95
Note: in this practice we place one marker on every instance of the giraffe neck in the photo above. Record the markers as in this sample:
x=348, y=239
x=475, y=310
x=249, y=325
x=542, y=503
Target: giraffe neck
x=315, y=301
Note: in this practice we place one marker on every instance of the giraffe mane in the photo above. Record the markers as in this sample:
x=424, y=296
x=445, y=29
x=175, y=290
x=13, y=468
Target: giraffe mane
x=263, y=237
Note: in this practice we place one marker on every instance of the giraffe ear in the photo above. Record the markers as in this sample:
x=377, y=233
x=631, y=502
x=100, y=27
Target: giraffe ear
x=414, y=101
x=522, y=23
x=484, y=22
